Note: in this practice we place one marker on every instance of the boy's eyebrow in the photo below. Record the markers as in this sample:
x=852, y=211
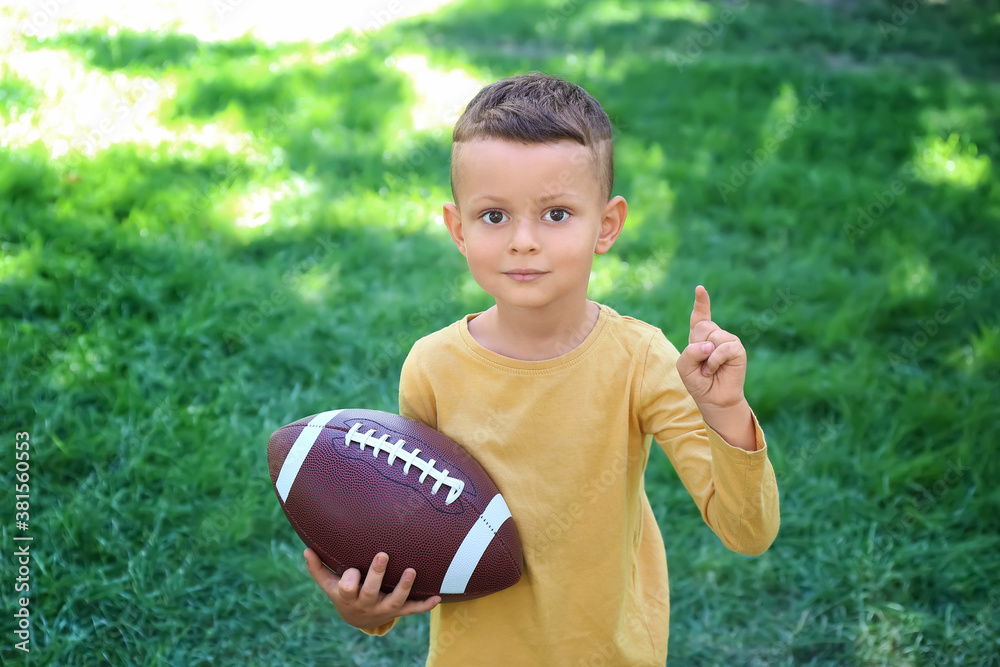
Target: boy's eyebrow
x=501, y=200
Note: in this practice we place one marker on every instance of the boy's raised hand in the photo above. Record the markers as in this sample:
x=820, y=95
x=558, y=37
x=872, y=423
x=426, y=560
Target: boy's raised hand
x=367, y=607
x=713, y=366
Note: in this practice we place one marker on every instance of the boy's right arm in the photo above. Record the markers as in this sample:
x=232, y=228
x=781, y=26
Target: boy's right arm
x=367, y=607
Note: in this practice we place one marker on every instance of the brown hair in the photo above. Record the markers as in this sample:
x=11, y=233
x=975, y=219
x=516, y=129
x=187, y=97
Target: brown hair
x=537, y=108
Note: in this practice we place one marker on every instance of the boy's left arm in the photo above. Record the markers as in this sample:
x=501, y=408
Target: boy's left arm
x=693, y=403
x=713, y=367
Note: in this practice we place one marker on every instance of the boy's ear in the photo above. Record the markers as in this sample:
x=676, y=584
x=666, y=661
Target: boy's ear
x=453, y=221
x=611, y=225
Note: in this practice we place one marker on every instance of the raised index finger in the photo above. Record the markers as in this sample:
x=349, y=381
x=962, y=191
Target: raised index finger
x=702, y=306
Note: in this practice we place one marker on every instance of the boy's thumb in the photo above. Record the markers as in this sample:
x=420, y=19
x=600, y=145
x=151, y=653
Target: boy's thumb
x=313, y=563
x=692, y=357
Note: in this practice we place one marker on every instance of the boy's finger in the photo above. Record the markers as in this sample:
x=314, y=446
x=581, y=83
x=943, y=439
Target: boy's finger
x=419, y=606
x=702, y=307
x=373, y=582
x=399, y=594
x=725, y=353
x=693, y=356
x=719, y=336
x=327, y=580
x=348, y=585
x=706, y=330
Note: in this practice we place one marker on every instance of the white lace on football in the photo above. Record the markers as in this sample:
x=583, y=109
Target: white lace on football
x=396, y=450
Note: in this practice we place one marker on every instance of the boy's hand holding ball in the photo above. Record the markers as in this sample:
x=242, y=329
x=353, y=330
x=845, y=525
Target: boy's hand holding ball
x=713, y=367
x=364, y=605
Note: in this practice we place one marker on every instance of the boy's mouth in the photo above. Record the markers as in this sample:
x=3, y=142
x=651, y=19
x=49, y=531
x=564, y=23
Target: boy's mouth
x=525, y=275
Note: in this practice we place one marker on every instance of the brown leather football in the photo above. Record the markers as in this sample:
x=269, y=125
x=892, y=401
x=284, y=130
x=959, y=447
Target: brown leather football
x=356, y=482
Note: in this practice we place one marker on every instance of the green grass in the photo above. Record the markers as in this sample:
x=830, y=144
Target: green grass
x=152, y=345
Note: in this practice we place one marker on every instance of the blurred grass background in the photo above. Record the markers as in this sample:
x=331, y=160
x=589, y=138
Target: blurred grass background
x=243, y=232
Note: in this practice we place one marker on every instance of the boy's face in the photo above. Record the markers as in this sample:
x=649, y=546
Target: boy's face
x=529, y=219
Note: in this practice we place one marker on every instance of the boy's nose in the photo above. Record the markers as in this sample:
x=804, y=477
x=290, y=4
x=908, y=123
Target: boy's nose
x=523, y=239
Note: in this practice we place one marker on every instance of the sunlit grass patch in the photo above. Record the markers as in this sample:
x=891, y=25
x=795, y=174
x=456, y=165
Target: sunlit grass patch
x=442, y=95
x=83, y=110
x=951, y=161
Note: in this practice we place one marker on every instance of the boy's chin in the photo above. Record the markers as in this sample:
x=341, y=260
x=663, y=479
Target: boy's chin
x=534, y=302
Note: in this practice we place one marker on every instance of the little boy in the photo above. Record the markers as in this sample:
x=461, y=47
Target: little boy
x=559, y=398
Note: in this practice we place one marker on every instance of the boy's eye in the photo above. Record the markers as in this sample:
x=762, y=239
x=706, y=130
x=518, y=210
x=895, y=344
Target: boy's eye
x=496, y=217
x=493, y=217
x=559, y=214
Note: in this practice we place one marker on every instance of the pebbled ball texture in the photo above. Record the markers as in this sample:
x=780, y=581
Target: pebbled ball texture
x=348, y=505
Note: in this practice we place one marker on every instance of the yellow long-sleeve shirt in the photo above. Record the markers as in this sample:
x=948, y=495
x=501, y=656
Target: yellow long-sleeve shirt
x=567, y=441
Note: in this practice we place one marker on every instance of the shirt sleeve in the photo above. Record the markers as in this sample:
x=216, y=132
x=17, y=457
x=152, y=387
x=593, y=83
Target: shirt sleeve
x=734, y=489
x=416, y=401
x=382, y=629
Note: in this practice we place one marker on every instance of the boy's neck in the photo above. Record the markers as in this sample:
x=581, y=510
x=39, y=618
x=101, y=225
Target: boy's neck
x=530, y=334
